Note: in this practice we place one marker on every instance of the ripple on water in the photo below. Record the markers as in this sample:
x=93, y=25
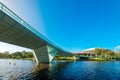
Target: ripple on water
x=81, y=70
x=11, y=69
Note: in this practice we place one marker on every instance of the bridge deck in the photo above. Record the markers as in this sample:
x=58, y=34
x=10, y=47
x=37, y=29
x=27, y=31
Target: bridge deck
x=16, y=31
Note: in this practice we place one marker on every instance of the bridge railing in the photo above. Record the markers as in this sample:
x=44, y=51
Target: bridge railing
x=21, y=21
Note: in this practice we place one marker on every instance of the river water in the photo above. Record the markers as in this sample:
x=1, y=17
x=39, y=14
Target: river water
x=13, y=69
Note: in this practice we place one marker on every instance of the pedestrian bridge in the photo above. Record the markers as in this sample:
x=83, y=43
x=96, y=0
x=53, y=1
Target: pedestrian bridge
x=16, y=31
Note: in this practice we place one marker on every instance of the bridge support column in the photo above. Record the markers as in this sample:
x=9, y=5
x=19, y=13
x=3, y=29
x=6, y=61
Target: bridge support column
x=45, y=54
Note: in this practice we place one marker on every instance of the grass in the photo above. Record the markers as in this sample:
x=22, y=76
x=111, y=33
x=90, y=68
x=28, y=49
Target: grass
x=97, y=59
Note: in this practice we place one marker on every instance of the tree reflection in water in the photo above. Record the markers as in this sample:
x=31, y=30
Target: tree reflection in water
x=46, y=71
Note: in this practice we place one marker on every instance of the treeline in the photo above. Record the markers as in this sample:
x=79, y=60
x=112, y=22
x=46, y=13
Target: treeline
x=101, y=52
x=106, y=53
x=17, y=55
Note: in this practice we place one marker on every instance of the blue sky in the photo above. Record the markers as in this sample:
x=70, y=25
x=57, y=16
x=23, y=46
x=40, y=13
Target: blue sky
x=74, y=25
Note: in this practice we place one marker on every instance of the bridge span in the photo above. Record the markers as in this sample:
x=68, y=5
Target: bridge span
x=15, y=30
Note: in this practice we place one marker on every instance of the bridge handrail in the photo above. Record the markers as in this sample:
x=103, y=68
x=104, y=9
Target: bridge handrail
x=21, y=21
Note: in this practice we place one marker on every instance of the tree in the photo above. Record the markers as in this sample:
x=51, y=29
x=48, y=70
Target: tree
x=104, y=53
x=97, y=52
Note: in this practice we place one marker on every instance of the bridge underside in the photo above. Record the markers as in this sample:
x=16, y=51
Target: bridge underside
x=15, y=31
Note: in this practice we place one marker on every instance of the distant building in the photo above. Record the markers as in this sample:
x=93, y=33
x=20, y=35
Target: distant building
x=89, y=53
x=86, y=54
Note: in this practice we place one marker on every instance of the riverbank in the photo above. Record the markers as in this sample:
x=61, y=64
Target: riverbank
x=70, y=59
x=97, y=59
x=85, y=58
x=19, y=58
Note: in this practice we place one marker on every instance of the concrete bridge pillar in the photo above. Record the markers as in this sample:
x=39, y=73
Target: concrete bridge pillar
x=45, y=53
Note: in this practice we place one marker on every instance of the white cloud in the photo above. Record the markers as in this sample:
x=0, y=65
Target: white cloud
x=89, y=49
x=117, y=48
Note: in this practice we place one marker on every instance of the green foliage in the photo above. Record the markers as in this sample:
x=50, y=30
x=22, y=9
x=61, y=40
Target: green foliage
x=101, y=52
x=58, y=57
x=106, y=54
x=17, y=55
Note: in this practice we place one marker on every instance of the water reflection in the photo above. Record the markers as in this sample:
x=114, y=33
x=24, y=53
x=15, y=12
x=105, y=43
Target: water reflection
x=82, y=70
x=46, y=71
x=40, y=66
x=11, y=69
